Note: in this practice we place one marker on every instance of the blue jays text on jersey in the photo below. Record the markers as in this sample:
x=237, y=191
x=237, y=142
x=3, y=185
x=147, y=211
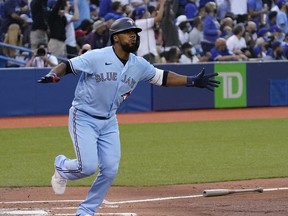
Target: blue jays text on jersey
x=112, y=76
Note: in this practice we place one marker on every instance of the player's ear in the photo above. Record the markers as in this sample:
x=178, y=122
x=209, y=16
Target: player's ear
x=115, y=38
x=137, y=41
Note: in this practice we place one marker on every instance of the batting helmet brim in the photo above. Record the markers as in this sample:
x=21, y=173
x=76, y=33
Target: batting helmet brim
x=124, y=24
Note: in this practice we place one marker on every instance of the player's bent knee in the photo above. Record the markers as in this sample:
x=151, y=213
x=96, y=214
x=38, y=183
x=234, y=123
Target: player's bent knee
x=89, y=169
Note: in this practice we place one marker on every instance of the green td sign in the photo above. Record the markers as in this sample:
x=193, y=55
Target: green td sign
x=232, y=90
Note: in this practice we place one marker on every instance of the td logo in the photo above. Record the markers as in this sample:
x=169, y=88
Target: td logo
x=228, y=79
x=232, y=91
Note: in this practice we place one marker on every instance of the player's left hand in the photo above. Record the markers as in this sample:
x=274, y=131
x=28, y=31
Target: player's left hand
x=49, y=78
x=204, y=81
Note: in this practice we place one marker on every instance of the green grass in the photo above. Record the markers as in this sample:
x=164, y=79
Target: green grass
x=157, y=154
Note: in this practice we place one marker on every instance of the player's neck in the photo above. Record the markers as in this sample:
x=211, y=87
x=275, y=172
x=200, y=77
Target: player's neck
x=121, y=54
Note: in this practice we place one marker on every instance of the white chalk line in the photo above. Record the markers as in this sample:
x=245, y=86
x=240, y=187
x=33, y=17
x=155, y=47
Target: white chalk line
x=127, y=201
x=23, y=212
x=41, y=201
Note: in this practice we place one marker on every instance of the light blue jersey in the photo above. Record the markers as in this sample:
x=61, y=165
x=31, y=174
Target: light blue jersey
x=105, y=81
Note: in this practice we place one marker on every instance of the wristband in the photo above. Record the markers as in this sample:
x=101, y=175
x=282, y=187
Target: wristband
x=53, y=74
x=190, y=81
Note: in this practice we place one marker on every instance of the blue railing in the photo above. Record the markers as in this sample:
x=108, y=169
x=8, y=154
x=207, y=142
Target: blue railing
x=5, y=59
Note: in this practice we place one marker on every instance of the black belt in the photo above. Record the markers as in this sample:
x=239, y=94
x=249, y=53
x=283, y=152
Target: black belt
x=96, y=117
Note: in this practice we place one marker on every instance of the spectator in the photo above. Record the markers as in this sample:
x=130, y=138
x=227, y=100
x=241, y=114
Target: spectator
x=57, y=24
x=158, y=32
x=39, y=28
x=240, y=10
x=1, y=10
x=104, y=7
x=272, y=19
x=275, y=7
x=84, y=48
x=250, y=34
x=261, y=48
x=269, y=3
x=25, y=14
x=13, y=37
x=169, y=29
x=86, y=26
x=184, y=28
x=236, y=42
x=82, y=31
x=11, y=15
x=42, y=58
x=71, y=44
x=226, y=27
x=188, y=55
x=223, y=7
x=264, y=32
x=173, y=55
x=181, y=7
x=93, y=13
x=281, y=19
x=116, y=11
x=221, y=53
x=202, y=4
x=276, y=53
x=84, y=12
x=138, y=3
x=128, y=10
x=99, y=37
x=256, y=10
x=196, y=35
x=277, y=33
x=285, y=46
x=148, y=46
x=211, y=27
x=191, y=9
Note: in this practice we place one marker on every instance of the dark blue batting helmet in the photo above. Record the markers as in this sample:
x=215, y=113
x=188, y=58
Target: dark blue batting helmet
x=123, y=24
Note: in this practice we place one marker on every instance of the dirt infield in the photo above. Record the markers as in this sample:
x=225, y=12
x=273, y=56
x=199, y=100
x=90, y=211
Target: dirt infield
x=180, y=200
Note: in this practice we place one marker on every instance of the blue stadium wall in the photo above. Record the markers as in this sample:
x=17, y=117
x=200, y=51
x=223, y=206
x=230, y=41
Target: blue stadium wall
x=254, y=84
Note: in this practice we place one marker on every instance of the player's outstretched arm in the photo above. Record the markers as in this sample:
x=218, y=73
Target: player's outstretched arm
x=54, y=74
x=201, y=80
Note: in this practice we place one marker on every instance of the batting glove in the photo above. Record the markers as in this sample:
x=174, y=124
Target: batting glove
x=49, y=78
x=203, y=81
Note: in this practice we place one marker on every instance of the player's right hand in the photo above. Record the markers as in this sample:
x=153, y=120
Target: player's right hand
x=49, y=78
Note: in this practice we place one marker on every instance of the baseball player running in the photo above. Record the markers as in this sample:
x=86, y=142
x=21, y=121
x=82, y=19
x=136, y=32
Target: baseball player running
x=109, y=75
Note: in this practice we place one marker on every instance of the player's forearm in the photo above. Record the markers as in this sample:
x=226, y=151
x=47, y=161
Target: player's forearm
x=174, y=79
x=59, y=70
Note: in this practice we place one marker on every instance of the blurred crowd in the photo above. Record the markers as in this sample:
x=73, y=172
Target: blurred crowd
x=173, y=31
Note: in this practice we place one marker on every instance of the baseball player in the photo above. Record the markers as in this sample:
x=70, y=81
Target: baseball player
x=109, y=75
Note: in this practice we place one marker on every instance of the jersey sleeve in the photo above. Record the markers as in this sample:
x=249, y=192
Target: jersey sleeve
x=84, y=63
x=148, y=70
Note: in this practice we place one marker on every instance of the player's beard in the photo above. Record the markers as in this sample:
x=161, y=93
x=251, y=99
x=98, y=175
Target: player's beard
x=129, y=48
